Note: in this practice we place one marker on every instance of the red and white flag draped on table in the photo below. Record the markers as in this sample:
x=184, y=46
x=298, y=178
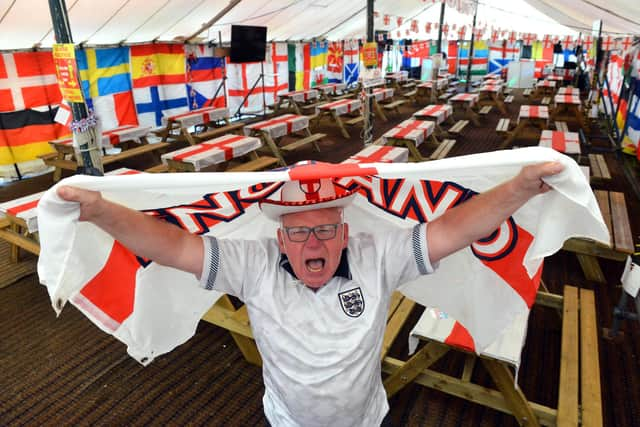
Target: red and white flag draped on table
x=152, y=308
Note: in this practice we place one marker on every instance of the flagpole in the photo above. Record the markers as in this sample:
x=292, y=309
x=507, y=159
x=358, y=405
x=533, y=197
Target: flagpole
x=440, y=28
x=85, y=145
x=368, y=113
x=473, y=36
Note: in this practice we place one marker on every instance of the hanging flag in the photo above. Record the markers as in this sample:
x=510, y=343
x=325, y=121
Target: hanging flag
x=159, y=81
x=501, y=53
x=391, y=198
x=300, y=64
x=319, y=52
x=631, y=139
x=277, y=80
x=27, y=80
x=542, y=54
x=351, y=61
x=24, y=135
x=452, y=56
x=106, y=83
x=335, y=62
x=480, y=60
x=613, y=85
x=204, y=77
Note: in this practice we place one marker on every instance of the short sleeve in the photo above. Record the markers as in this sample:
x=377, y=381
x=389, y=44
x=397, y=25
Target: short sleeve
x=235, y=266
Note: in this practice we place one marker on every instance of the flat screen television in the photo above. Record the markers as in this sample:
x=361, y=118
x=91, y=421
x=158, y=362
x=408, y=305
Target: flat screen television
x=248, y=43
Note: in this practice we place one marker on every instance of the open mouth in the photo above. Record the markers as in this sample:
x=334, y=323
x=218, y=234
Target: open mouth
x=314, y=265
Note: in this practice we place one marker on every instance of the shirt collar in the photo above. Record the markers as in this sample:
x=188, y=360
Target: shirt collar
x=341, y=271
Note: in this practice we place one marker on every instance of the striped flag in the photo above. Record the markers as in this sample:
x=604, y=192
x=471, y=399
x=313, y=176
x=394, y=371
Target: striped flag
x=27, y=80
x=106, y=82
x=542, y=54
x=480, y=59
x=204, y=77
x=318, y=57
x=158, y=73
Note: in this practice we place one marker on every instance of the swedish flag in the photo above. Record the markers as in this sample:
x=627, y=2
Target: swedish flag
x=104, y=71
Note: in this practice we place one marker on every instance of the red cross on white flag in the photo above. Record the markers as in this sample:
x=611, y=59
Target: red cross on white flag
x=414, y=25
x=445, y=28
x=479, y=33
x=399, y=20
x=567, y=42
x=587, y=42
x=494, y=36
x=528, y=39
x=512, y=37
x=547, y=41
x=626, y=43
x=427, y=27
x=461, y=32
x=386, y=20
x=607, y=43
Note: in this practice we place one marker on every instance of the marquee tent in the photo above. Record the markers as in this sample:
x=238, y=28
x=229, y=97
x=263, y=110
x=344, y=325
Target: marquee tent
x=26, y=23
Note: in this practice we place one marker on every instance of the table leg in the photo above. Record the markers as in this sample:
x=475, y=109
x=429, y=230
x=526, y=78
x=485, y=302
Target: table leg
x=296, y=107
x=274, y=148
x=471, y=115
x=499, y=103
x=591, y=268
x=15, y=249
x=413, y=150
x=337, y=119
x=378, y=109
x=514, y=134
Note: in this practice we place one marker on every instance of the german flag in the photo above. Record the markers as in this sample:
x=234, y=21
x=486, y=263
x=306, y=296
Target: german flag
x=24, y=135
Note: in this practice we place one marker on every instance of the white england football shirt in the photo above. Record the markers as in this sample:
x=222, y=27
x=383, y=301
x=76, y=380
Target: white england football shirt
x=320, y=350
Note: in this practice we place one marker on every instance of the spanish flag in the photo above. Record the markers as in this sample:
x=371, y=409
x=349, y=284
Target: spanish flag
x=157, y=64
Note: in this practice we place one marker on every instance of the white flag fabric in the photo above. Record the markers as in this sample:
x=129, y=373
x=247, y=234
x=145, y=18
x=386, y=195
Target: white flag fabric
x=152, y=308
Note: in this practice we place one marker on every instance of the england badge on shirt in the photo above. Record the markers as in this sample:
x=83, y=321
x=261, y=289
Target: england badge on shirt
x=352, y=302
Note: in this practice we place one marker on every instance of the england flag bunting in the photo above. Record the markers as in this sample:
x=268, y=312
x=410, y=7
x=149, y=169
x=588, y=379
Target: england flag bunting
x=153, y=309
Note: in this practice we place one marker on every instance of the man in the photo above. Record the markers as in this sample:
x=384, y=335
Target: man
x=317, y=298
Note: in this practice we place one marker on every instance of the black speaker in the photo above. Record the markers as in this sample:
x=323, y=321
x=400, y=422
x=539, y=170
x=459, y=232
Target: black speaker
x=248, y=43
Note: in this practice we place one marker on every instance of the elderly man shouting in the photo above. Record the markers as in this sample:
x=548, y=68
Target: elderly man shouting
x=317, y=297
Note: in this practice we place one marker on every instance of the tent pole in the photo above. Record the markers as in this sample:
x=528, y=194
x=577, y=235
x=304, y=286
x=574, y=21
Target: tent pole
x=209, y=24
x=368, y=110
x=85, y=145
x=440, y=27
x=473, y=37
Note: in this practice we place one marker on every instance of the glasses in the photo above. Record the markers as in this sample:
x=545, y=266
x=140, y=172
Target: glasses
x=322, y=232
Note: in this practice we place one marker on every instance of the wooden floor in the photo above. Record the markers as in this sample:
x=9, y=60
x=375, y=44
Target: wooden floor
x=65, y=371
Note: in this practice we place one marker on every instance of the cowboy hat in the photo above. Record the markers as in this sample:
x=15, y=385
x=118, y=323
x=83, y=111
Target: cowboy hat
x=305, y=195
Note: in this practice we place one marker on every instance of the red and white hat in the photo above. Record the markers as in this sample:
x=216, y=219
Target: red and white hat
x=305, y=195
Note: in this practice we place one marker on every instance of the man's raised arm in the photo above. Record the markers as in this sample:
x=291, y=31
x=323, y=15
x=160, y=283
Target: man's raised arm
x=144, y=235
x=481, y=215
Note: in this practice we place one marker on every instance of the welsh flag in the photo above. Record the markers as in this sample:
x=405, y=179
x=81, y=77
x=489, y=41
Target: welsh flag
x=153, y=308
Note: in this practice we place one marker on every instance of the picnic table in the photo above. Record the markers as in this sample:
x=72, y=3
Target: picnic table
x=436, y=113
x=19, y=220
x=411, y=133
x=493, y=93
x=466, y=102
x=545, y=88
x=330, y=89
x=571, y=105
x=131, y=141
x=297, y=99
x=564, y=142
x=530, y=116
x=219, y=152
x=272, y=131
x=569, y=90
x=215, y=120
x=379, y=154
x=379, y=95
x=336, y=109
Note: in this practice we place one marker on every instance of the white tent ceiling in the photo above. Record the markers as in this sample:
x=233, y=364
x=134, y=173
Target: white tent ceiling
x=25, y=23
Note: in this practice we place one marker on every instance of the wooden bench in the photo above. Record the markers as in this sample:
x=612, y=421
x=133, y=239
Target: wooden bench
x=257, y=164
x=615, y=215
x=411, y=95
x=508, y=90
x=354, y=120
x=445, y=97
x=579, y=371
x=458, y=127
x=561, y=126
x=485, y=110
x=236, y=321
x=508, y=99
x=599, y=168
x=503, y=126
x=443, y=149
x=311, y=139
x=158, y=168
x=579, y=363
x=394, y=105
x=546, y=100
x=527, y=92
x=212, y=133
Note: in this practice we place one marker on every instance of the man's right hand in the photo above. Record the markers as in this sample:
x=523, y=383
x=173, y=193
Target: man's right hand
x=90, y=201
